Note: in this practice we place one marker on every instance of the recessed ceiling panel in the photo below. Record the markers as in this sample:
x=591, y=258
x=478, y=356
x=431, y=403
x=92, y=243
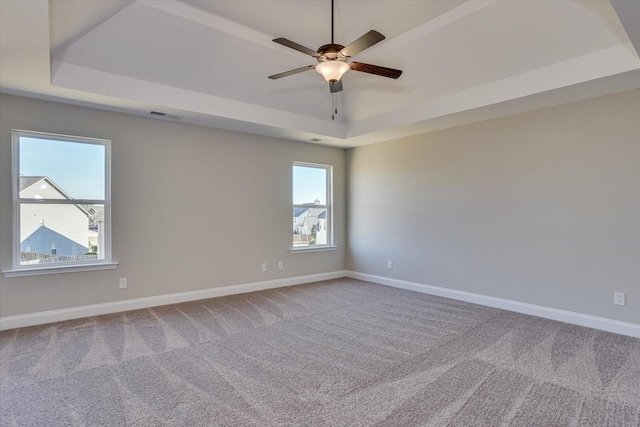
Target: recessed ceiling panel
x=496, y=42
x=213, y=57
x=145, y=43
x=309, y=22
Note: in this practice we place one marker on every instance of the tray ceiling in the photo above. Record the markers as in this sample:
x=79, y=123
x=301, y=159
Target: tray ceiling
x=208, y=62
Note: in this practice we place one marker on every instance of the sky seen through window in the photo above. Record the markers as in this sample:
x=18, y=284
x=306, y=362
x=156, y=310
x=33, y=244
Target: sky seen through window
x=79, y=169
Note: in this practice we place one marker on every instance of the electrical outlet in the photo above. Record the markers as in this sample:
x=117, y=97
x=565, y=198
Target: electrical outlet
x=618, y=298
x=264, y=267
x=123, y=283
x=280, y=265
x=390, y=265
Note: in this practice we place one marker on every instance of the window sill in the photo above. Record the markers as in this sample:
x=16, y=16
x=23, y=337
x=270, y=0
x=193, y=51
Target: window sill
x=312, y=249
x=38, y=271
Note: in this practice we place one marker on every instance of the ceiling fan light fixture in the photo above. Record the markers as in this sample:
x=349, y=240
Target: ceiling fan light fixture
x=333, y=70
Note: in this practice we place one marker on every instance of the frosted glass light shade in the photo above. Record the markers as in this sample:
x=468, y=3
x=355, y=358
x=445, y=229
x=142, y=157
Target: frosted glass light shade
x=332, y=71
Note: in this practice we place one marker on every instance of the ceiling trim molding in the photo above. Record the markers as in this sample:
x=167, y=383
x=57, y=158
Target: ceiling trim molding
x=57, y=49
x=629, y=15
x=447, y=18
x=196, y=15
x=27, y=68
x=76, y=77
x=563, y=95
x=607, y=62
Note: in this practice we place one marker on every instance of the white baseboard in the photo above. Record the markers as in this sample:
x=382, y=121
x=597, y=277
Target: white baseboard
x=39, y=318
x=42, y=317
x=604, y=324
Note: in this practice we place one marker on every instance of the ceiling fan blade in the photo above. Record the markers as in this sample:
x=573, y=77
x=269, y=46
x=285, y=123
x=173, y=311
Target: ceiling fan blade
x=292, y=72
x=296, y=46
x=376, y=69
x=364, y=42
x=335, y=86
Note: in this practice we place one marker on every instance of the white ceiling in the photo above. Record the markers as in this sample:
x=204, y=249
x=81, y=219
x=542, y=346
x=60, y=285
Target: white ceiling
x=208, y=61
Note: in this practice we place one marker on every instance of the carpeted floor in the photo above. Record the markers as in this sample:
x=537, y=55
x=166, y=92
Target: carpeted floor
x=335, y=353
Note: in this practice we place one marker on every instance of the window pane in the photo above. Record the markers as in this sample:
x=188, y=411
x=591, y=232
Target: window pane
x=309, y=186
x=54, y=233
x=309, y=226
x=51, y=169
x=311, y=209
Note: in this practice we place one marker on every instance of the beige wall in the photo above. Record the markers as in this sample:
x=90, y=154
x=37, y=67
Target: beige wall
x=541, y=207
x=193, y=207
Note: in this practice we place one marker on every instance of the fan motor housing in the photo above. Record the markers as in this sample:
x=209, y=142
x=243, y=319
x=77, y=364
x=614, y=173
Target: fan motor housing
x=329, y=52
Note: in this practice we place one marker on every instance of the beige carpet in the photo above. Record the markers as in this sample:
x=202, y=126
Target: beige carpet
x=336, y=353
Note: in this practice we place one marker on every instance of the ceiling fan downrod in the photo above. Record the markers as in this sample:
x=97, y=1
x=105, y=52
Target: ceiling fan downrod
x=331, y=21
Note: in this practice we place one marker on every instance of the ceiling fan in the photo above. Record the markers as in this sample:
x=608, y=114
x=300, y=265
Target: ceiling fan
x=333, y=59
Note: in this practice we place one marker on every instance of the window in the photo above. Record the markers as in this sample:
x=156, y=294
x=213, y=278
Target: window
x=312, y=215
x=61, y=193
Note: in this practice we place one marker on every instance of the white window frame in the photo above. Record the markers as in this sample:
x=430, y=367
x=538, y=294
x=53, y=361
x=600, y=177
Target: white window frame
x=329, y=246
x=62, y=267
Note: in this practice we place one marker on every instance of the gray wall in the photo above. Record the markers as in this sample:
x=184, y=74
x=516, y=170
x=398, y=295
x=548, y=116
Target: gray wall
x=541, y=207
x=193, y=207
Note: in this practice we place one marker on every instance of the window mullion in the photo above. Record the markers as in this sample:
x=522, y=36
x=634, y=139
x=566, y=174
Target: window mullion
x=65, y=201
x=312, y=207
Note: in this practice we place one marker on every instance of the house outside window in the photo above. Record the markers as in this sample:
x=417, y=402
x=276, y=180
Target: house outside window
x=61, y=194
x=312, y=206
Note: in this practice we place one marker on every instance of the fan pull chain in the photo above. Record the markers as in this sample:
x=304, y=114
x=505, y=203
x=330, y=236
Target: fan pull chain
x=334, y=106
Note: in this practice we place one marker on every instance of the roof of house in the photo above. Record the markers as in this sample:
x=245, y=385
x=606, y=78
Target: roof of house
x=299, y=211
x=41, y=240
x=316, y=212
x=28, y=181
x=96, y=212
x=323, y=215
